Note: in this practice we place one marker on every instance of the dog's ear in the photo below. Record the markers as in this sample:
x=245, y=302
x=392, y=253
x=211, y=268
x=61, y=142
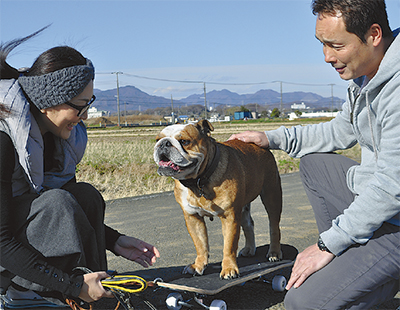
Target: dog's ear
x=159, y=137
x=205, y=127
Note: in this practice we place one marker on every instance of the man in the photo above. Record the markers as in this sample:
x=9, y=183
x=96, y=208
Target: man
x=356, y=261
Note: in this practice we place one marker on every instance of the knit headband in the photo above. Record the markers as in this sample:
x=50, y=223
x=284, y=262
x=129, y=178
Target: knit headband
x=57, y=87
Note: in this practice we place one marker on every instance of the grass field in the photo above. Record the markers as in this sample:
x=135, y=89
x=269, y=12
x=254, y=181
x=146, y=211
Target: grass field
x=119, y=161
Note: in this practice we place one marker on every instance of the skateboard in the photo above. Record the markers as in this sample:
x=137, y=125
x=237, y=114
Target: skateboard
x=254, y=268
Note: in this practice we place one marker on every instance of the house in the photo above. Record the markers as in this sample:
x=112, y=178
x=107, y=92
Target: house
x=298, y=106
x=94, y=113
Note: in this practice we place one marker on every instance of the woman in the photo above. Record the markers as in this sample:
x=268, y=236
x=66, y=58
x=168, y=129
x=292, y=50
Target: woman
x=50, y=224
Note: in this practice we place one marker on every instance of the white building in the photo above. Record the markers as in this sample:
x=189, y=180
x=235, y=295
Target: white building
x=298, y=106
x=94, y=113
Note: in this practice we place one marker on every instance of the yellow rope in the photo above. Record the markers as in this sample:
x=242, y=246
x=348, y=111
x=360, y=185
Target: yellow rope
x=116, y=283
x=121, y=283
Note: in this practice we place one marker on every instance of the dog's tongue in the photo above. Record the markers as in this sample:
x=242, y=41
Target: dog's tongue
x=168, y=164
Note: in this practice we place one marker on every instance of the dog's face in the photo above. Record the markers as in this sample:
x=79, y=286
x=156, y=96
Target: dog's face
x=181, y=150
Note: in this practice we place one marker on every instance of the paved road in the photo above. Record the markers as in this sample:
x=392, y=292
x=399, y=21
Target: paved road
x=158, y=220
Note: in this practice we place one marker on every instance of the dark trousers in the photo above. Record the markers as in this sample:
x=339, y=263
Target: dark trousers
x=364, y=275
x=66, y=226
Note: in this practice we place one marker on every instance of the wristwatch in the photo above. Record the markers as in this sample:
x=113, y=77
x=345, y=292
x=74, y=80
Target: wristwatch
x=322, y=246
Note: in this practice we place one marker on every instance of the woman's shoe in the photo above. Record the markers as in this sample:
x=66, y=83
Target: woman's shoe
x=15, y=299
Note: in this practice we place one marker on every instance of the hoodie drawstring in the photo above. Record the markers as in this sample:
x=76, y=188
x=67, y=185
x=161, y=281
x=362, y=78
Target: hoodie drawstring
x=370, y=126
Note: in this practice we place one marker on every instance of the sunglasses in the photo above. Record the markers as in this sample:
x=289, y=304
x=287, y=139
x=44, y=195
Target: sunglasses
x=82, y=109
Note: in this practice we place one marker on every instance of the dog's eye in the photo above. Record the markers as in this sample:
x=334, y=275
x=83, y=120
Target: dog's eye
x=184, y=142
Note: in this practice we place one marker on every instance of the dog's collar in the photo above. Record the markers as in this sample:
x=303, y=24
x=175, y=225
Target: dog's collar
x=197, y=185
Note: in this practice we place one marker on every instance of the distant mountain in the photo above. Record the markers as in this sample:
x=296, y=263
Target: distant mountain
x=216, y=96
x=132, y=98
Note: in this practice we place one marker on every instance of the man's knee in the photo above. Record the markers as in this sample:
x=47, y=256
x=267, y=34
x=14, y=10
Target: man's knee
x=307, y=167
x=304, y=161
x=296, y=300
x=310, y=160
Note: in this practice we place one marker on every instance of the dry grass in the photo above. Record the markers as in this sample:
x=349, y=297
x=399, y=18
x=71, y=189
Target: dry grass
x=119, y=162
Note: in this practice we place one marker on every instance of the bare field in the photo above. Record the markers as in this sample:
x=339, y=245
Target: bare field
x=119, y=162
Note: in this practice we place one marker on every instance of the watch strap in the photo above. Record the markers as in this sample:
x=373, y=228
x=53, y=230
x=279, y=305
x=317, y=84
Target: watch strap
x=322, y=246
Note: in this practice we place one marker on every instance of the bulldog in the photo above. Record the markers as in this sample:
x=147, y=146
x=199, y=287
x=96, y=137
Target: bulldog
x=220, y=179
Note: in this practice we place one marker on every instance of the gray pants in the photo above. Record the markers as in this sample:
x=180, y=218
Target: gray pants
x=66, y=226
x=364, y=275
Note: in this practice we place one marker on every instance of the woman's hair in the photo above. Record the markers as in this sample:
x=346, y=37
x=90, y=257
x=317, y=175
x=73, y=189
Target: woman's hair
x=52, y=60
x=358, y=15
x=3, y=111
x=6, y=71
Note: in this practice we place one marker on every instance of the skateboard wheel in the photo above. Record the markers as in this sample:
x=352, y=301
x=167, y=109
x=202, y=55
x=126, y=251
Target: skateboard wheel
x=279, y=283
x=218, y=305
x=174, y=301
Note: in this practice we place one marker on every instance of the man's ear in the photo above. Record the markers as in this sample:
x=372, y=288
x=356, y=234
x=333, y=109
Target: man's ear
x=375, y=34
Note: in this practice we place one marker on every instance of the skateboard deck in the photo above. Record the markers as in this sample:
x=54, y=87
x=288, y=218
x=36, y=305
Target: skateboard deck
x=210, y=283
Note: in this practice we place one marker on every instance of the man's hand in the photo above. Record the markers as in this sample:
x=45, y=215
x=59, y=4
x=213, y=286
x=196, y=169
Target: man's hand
x=136, y=250
x=257, y=137
x=307, y=262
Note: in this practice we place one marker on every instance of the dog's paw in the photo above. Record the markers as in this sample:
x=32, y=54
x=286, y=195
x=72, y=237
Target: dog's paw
x=247, y=251
x=191, y=269
x=229, y=273
x=274, y=256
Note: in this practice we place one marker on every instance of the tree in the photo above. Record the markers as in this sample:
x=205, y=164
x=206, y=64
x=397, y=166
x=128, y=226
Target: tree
x=275, y=113
x=264, y=114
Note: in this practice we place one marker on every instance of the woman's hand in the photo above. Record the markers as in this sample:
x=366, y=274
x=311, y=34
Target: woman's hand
x=257, y=137
x=136, y=250
x=131, y=248
x=92, y=290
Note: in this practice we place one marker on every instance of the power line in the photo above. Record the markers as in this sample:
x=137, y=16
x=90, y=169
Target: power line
x=215, y=83
x=160, y=79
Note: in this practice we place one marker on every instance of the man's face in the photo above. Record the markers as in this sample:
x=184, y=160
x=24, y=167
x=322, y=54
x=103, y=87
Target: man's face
x=350, y=57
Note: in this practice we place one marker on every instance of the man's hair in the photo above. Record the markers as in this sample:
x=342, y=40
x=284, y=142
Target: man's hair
x=358, y=15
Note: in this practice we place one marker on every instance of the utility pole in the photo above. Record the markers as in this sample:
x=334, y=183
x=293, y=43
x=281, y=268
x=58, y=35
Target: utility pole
x=172, y=113
x=205, y=101
x=281, y=101
x=119, y=114
x=125, y=113
x=332, y=98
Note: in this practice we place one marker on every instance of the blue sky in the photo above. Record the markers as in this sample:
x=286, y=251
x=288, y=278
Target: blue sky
x=242, y=46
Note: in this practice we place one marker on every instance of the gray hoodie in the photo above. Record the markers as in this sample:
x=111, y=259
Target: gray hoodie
x=370, y=117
